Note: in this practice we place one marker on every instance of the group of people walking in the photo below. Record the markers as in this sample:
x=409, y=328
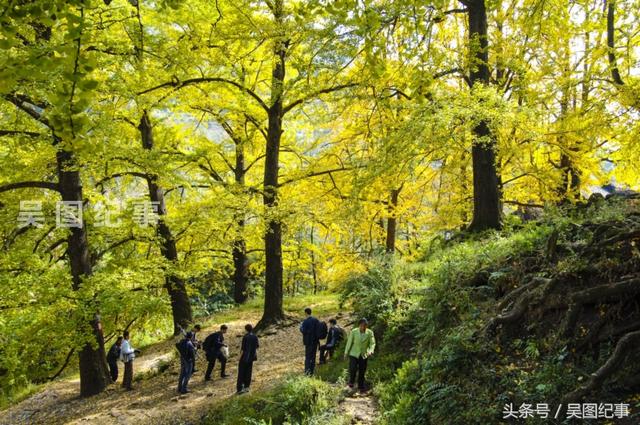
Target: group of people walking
x=216, y=350
x=359, y=347
x=214, y=347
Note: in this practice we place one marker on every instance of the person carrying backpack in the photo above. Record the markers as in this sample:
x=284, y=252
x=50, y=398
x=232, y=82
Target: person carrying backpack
x=212, y=346
x=187, y=359
x=112, y=358
x=334, y=336
x=311, y=328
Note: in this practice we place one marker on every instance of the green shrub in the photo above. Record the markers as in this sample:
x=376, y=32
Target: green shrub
x=298, y=400
x=380, y=293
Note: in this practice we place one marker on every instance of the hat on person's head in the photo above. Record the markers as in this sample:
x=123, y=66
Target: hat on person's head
x=363, y=321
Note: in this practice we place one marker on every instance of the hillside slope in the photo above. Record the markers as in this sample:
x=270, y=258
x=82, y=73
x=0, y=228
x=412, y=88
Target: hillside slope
x=545, y=313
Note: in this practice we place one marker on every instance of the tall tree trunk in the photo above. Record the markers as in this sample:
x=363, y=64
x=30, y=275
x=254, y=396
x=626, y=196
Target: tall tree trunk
x=611, y=43
x=94, y=375
x=180, y=304
x=569, y=189
x=313, y=262
x=392, y=221
x=273, y=311
x=240, y=260
x=486, y=194
x=570, y=184
x=240, y=268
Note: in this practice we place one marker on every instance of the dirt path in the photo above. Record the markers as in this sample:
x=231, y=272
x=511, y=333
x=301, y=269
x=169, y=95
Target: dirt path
x=154, y=399
x=362, y=408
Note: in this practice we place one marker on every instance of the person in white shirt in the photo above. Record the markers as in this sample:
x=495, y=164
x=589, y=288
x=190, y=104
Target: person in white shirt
x=127, y=355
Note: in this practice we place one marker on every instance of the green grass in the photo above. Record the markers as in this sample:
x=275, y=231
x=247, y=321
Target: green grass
x=19, y=395
x=323, y=304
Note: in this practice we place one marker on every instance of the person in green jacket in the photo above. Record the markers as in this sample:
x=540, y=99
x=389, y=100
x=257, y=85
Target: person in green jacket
x=360, y=345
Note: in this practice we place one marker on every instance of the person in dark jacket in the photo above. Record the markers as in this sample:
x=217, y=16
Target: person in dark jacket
x=212, y=346
x=112, y=358
x=248, y=355
x=333, y=339
x=187, y=359
x=309, y=329
x=194, y=340
x=196, y=344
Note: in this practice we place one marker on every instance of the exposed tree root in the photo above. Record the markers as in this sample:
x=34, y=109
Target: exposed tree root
x=621, y=237
x=596, y=295
x=532, y=284
x=267, y=328
x=532, y=293
x=601, y=298
x=634, y=326
x=596, y=335
x=625, y=345
x=627, y=383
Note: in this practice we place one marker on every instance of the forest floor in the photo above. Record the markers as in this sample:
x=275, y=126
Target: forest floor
x=155, y=400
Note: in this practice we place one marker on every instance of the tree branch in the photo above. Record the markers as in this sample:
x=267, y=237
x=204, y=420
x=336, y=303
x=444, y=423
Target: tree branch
x=212, y=173
x=30, y=184
x=255, y=122
x=177, y=84
x=447, y=72
x=64, y=365
x=458, y=10
x=114, y=245
x=189, y=186
x=258, y=158
x=19, y=132
x=25, y=104
x=124, y=173
x=318, y=173
x=316, y=94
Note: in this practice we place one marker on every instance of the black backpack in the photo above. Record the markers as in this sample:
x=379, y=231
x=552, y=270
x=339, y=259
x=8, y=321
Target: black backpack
x=181, y=346
x=207, y=345
x=322, y=330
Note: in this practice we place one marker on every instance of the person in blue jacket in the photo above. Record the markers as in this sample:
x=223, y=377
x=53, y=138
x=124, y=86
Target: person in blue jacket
x=334, y=336
x=309, y=329
x=112, y=358
x=212, y=347
x=187, y=359
x=248, y=355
